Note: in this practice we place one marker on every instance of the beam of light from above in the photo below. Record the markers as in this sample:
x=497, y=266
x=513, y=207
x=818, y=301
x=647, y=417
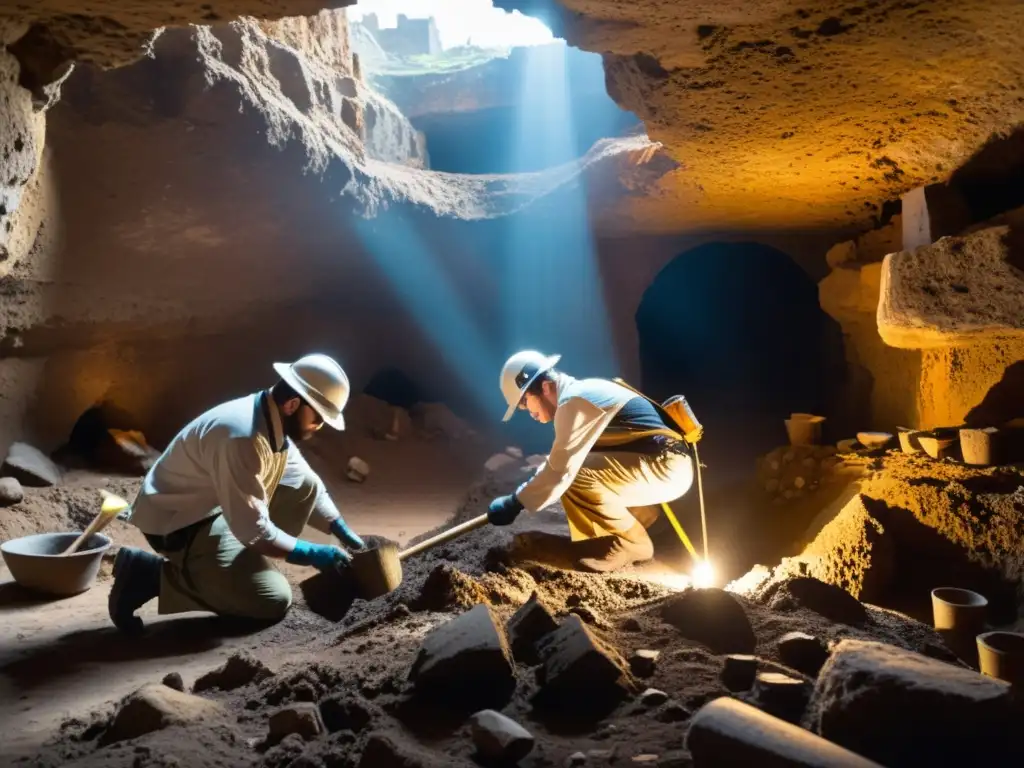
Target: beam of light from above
x=400, y=251
x=553, y=294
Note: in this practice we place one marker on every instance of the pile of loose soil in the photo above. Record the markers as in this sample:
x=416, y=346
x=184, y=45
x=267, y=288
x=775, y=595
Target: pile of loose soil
x=68, y=507
x=339, y=694
x=911, y=524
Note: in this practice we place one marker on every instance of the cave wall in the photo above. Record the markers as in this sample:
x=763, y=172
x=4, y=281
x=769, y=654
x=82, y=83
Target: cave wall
x=963, y=379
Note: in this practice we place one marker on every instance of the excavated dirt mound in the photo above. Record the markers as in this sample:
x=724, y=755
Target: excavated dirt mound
x=356, y=671
x=913, y=524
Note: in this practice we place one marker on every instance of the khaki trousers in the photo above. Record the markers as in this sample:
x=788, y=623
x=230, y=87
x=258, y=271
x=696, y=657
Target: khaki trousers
x=614, y=490
x=215, y=572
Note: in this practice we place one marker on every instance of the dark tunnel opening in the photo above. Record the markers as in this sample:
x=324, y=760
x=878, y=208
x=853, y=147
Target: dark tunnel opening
x=737, y=329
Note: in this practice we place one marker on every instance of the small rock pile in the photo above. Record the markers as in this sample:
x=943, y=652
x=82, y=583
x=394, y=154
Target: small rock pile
x=792, y=471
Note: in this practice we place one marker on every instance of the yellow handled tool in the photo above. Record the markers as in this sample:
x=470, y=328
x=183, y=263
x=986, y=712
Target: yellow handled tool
x=112, y=507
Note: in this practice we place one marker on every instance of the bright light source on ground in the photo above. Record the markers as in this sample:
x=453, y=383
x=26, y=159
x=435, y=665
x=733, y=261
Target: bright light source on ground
x=461, y=22
x=704, y=575
x=669, y=580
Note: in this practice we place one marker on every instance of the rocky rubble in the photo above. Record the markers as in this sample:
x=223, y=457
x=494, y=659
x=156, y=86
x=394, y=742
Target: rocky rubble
x=565, y=668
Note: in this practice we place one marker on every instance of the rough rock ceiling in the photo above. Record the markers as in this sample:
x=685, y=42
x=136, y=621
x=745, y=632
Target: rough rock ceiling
x=802, y=112
x=111, y=32
x=781, y=112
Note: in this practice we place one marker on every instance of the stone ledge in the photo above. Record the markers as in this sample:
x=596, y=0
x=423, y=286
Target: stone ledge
x=957, y=291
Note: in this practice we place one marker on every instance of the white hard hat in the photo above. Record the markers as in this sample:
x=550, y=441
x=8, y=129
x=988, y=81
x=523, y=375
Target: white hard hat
x=519, y=372
x=321, y=382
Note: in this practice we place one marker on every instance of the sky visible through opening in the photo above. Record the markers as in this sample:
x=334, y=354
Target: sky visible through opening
x=461, y=21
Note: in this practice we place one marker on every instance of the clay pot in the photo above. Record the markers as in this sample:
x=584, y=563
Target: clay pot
x=804, y=429
x=1001, y=655
x=873, y=441
x=908, y=440
x=979, y=447
x=937, y=446
x=959, y=617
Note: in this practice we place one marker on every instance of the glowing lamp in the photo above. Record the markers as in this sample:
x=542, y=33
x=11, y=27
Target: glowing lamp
x=703, y=575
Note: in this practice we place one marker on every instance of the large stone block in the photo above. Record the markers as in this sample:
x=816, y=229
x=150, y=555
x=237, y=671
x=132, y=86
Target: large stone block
x=579, y=667
x=528, y=625
x=958, y=291
x=729, y=732
x=904, y=709
x=712, y=617
x=466, y=661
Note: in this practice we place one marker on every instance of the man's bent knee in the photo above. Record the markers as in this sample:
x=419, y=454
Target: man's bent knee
x=269, y=601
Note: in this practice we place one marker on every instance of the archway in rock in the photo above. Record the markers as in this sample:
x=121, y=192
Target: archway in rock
x=737, y=328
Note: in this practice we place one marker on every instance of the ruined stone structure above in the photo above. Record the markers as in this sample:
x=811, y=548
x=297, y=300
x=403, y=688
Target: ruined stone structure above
x=412, y=37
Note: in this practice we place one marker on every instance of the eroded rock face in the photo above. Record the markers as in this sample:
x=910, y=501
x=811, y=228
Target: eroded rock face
x=769, y=91
x=771, y=85
x=957, y=291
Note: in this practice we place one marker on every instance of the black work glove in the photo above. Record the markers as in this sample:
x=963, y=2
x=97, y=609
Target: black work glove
x=504, y=510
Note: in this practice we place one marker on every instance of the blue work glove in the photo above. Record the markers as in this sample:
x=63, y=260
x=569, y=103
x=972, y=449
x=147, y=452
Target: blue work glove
x=504, y=510
x=340, y=529
x=321, y=556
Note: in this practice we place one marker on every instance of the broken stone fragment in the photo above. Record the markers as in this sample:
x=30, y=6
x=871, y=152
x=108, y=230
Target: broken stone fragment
x=729, y=732
x=535, y=460
x=156, y=706
x=30, y=466
x=532, y=621
x=782, y=695
x=712, y=617
x=514, y=451
x=239, y=670
x=500, y=738
x=828, y=600
x=904, y=709
x=466, y=661
x=580, y=668
x=802, y=652
x=358, y=470
x=173, y=680
x=347, y=712
x=643, y=662
x=388, y=750
x=11, y=491
x=673, y=712
x=576, y=758
x=302, y=719
x=591, y=615
x=652, y=697
x=739, y=671
x=498, y=462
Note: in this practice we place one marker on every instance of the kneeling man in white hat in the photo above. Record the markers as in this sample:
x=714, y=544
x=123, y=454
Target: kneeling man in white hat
x=231, y=494
x=615, y=456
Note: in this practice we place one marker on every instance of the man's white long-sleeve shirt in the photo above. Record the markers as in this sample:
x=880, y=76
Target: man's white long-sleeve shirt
x=234, y=456
x=585, y=409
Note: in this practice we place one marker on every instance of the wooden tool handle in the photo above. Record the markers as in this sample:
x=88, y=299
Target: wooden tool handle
x=444, y=536
x=98, y=522
x=112, y=506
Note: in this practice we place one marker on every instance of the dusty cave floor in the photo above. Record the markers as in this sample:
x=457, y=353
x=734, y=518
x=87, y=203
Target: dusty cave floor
x=62, y=658
x=63, y=668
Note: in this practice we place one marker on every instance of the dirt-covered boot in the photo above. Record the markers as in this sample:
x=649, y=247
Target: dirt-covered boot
x=136, y=582
x=618, y=552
